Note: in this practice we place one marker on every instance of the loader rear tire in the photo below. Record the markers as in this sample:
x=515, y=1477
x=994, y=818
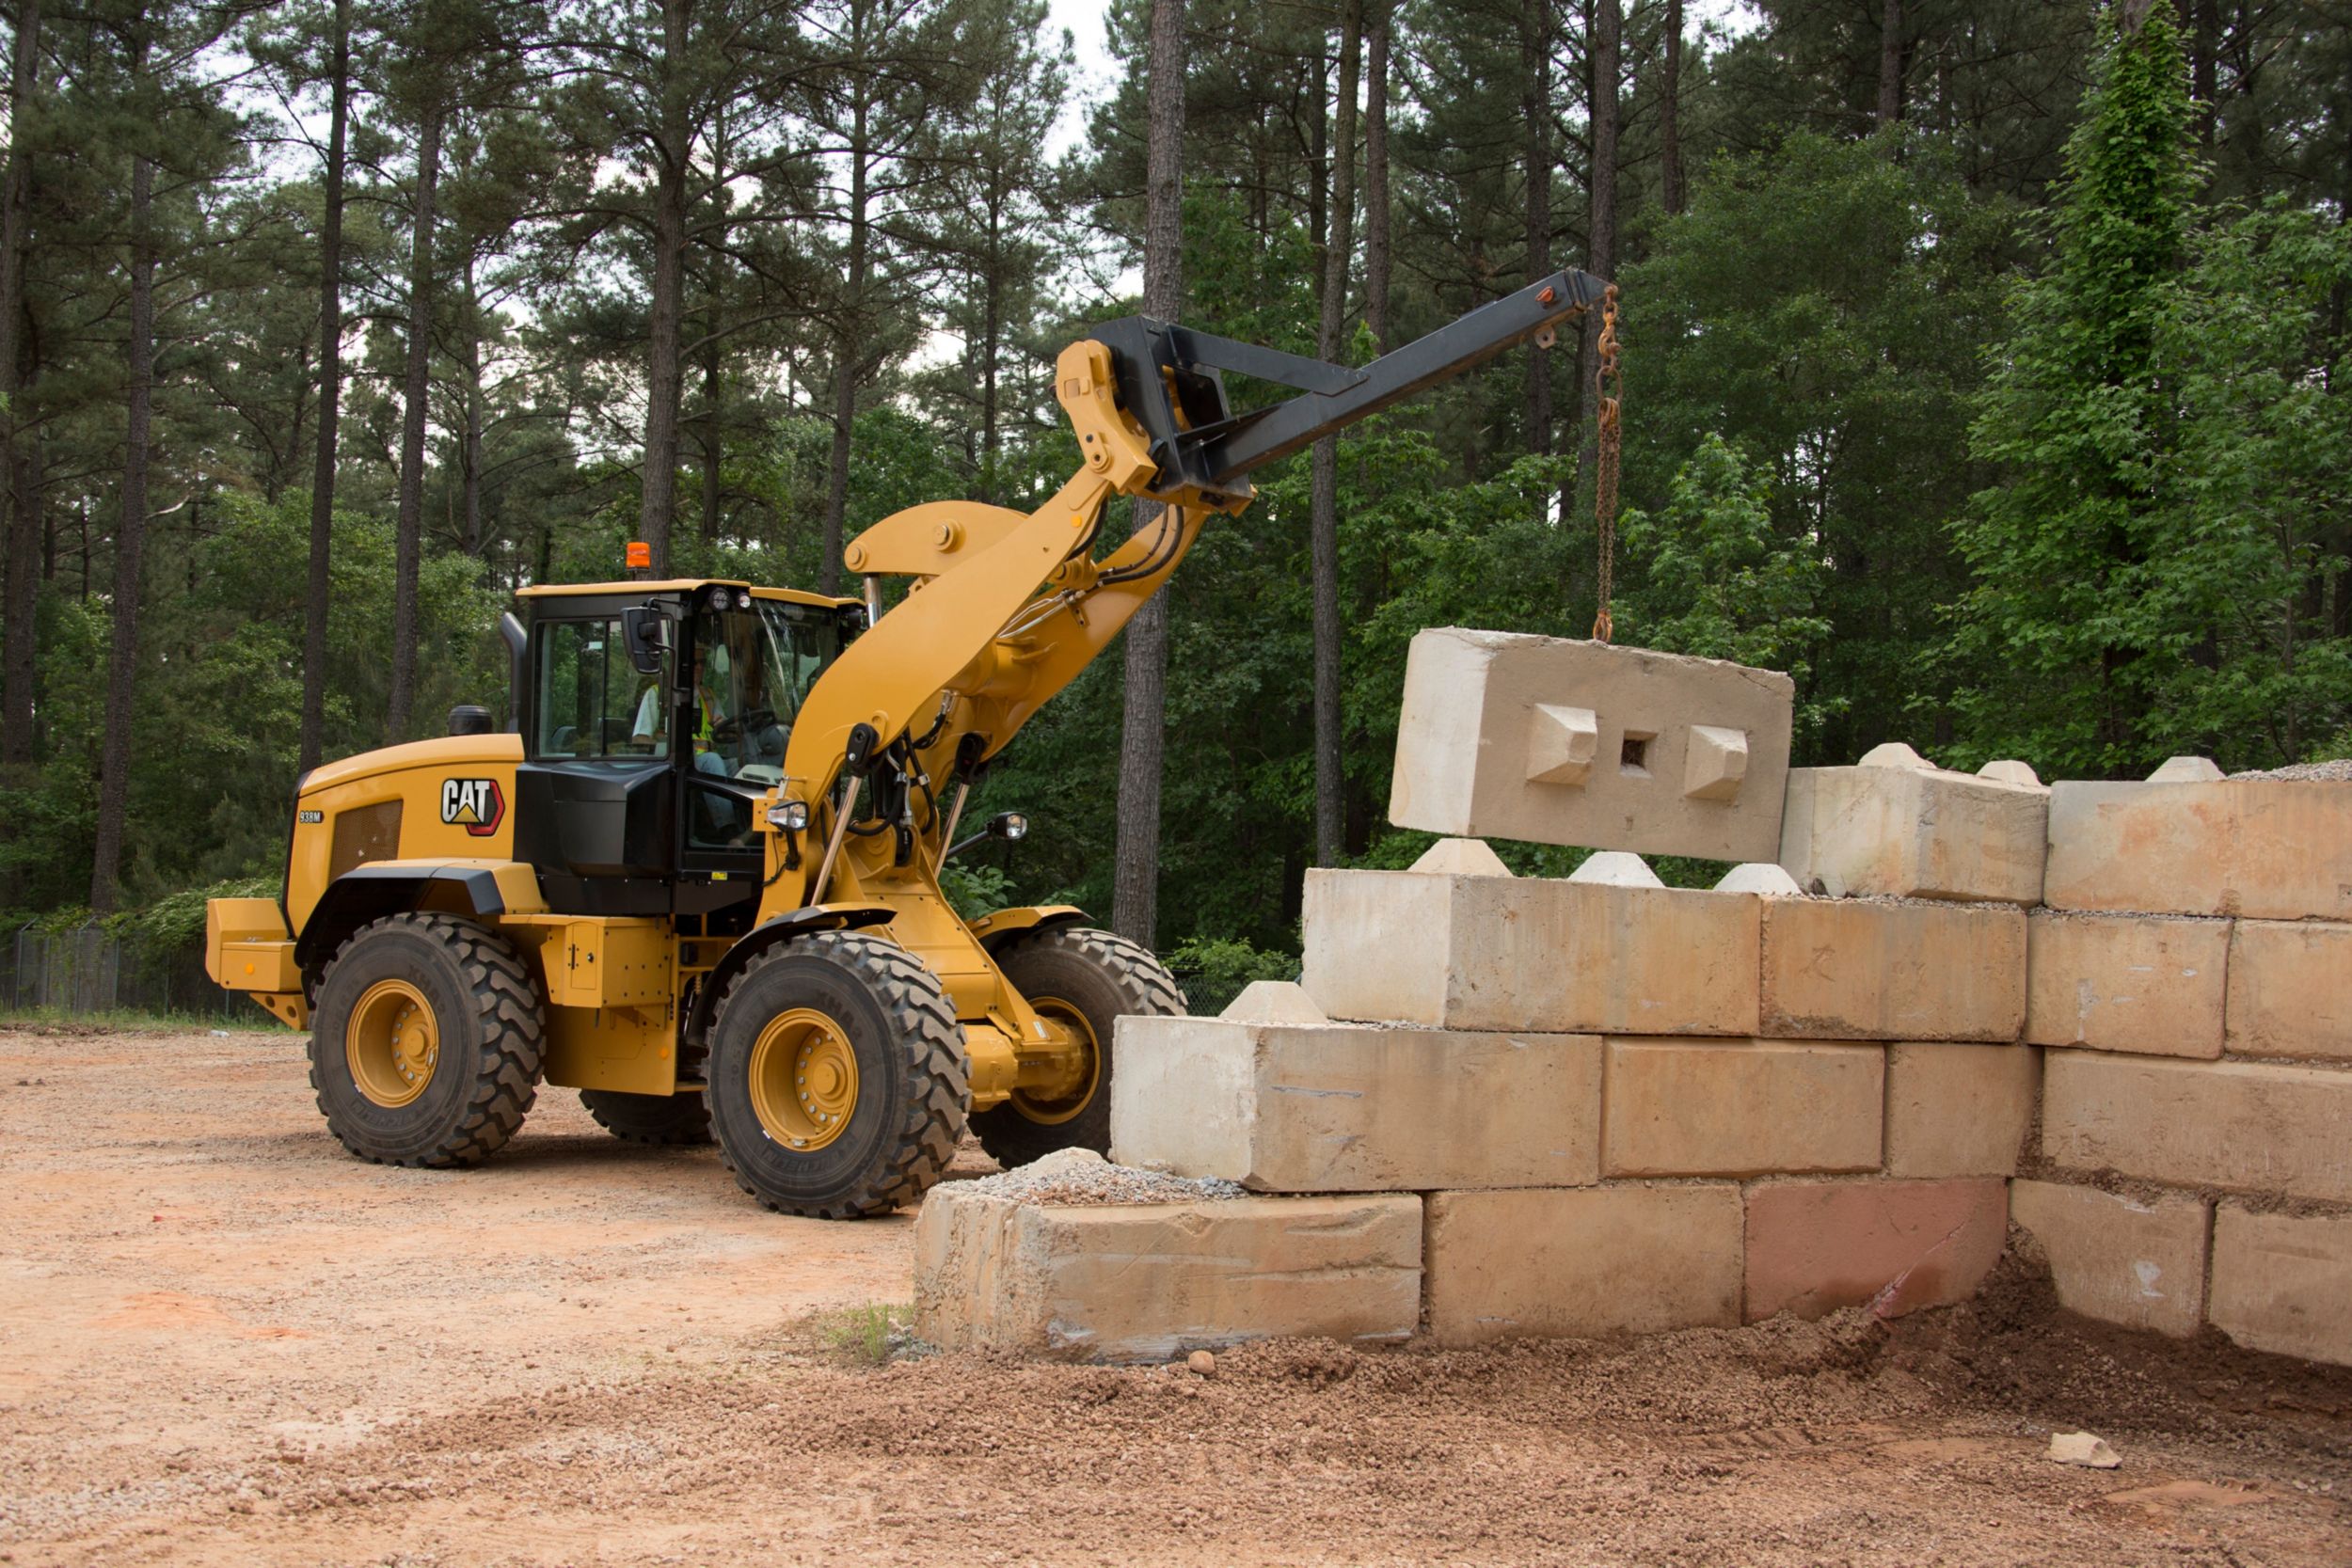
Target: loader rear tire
x=837, y=1075
x=1079, y=976
x=426, y=1048
x=650, y=1119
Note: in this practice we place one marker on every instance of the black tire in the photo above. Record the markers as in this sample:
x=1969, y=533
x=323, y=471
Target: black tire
x=650, y=1119
x=911, y=1084
x=486, y=1013
x=1101, y=977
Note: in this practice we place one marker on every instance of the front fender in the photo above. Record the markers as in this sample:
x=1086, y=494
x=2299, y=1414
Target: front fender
x=767, y=934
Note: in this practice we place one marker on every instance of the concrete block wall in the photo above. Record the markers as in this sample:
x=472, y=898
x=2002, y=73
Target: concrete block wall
x=1624, y=1107
x=2192, y=980
x=1607, y=1106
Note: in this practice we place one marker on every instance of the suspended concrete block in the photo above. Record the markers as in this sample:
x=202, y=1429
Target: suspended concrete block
x=1506, y=735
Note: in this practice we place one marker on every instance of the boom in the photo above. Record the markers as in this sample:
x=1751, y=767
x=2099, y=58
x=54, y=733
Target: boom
x=940, y=683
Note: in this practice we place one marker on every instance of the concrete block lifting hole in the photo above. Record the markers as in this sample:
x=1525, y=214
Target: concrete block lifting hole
x=1506, y=735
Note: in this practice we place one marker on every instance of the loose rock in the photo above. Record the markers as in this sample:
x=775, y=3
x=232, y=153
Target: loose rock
x=1080, y=1177
x=2086, y=1449
x=1203, y=1362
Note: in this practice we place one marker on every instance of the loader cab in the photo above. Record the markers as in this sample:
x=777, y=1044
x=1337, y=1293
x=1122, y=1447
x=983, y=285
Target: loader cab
x=654, y=717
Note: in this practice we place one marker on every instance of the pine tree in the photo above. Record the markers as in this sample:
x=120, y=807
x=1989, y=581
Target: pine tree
x=2060, y=631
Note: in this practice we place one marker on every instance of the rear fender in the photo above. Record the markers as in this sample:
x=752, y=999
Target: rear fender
x=485, y=889
x=994, y=930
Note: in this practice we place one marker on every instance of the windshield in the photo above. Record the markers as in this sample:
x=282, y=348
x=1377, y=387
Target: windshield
x=752, y=669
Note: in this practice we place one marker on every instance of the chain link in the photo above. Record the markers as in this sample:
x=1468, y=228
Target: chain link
x=1607, y=388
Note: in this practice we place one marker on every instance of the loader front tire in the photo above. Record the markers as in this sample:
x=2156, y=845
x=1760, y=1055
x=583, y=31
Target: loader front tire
x=837, y=1075
x=650, y=1119
x=426, y=1048
x=1083, y=979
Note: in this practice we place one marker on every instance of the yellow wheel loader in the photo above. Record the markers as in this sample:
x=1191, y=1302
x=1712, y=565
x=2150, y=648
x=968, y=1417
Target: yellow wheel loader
x=699, y=879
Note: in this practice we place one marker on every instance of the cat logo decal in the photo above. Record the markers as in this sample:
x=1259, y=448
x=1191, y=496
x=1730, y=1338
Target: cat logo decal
x=476, y=805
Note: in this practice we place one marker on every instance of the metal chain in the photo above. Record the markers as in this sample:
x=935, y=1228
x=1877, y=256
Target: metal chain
x=1607, y=388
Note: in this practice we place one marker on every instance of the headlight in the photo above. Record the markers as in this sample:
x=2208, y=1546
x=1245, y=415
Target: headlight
x=720, y=598
x=1010, y=825
x=789, y=815
x=743, y=599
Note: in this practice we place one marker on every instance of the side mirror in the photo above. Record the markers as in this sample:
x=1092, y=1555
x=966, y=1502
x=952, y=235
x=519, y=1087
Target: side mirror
x=1011, y=825
x=647, y=634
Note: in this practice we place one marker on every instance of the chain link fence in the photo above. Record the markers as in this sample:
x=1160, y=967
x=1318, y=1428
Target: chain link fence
x=88, y=971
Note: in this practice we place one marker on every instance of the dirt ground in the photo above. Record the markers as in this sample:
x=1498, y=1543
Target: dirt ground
x=223, y=1342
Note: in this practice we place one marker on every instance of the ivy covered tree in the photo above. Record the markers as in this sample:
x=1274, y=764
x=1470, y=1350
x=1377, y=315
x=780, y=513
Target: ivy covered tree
x=2155, y=564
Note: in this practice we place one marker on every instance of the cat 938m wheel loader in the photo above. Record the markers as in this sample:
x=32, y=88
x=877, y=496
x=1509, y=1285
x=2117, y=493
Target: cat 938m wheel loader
x=699, y=881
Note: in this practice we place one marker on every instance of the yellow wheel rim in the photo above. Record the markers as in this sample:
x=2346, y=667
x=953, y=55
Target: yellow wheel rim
x=1057, y=1103
x=804, y=1078
x=392, y=1043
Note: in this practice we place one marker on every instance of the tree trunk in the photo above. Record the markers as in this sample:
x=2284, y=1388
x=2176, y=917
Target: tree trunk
x=319, y=586
x=1670, y=111
x=470, y=457
x=1535, y=58
x=1601, y=222
x=409, y=547
x=991, y=335
x=1324, y=507
x=713, y=442
x=1376, y=173
x=1143, y=719
x=2203, y=84
x=122, y=659
x=1890, y=63
x=20, y=596
x=846, y=347
x=664, y=376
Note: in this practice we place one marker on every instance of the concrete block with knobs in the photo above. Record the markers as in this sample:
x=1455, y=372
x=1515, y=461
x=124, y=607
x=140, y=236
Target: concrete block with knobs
x=1504, y=735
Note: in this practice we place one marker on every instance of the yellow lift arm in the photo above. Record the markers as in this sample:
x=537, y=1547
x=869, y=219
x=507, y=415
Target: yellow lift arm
x=1006, y=608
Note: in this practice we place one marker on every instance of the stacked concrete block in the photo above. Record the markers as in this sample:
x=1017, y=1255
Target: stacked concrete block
x=1525, y=952
x=1881, y=970
x=1895, y=826
x=2139, y=1263
x=1629, y=1106
x=1958, y=1108
x=2133, y=983
x=1304, y=1108
x=2290, y=990
x=2260, y=848
x=2192, y=981
x=1148, y=1282
x=1741, y=1108
x=2238, y=1126
x=1508, y=735
x=1814, y=1246
x=2281, y=1282
x=2116, y=1016
x=1623, y=1259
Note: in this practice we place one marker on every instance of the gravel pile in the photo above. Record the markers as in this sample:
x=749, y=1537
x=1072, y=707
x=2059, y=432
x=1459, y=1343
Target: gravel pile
x=1079, y=1178
x=2340, y=772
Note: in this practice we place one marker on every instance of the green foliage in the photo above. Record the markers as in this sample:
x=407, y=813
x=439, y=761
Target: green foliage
x=1213, y=970
x=1822, y=309
x=2155, y=569
x=2121, y=531
x=975, y=890
x=865, y=1335
x=1719, y=582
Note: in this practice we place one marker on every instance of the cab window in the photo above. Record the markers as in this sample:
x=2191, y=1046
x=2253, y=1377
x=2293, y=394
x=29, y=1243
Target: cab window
x=591, y=701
